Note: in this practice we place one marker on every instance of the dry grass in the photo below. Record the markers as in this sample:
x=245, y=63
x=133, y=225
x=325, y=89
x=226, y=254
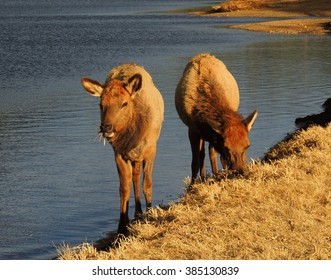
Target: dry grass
x=280, y=210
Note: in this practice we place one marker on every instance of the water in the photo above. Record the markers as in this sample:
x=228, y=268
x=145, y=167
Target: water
x=57, y=182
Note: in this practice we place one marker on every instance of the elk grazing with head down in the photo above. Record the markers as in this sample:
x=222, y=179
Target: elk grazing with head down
x=207, y=100
x=131, y=118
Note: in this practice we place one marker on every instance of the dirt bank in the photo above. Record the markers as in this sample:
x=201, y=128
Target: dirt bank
x=317, y=15
x=280, y=210
x=290, y=26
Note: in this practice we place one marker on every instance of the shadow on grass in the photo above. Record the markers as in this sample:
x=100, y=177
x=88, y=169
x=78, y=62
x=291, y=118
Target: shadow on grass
x=111, y=241
x=327, y=27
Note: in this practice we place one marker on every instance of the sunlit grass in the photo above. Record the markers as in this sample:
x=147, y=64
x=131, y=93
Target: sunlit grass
x=280, y=210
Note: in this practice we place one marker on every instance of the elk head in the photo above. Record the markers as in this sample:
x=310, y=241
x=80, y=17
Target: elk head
x=116, y=103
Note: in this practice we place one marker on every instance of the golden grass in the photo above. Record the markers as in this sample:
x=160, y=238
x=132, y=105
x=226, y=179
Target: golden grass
x=280, y=210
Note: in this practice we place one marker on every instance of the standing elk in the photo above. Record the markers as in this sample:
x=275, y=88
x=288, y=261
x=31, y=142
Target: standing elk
x=132, y=111
x=207, y=100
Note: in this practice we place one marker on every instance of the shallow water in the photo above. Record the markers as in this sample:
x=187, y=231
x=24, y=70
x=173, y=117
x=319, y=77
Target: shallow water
x=58, y=183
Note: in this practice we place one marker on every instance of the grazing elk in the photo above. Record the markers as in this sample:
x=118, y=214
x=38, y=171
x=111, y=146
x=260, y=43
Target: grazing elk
x=207, y=99
x=131, y=118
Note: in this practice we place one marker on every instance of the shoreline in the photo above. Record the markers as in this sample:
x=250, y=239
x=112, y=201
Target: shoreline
x=278, y=212
x=316, y=13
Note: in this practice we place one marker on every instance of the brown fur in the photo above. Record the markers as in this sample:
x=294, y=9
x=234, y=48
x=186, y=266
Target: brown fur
x=207, y=99
x=131, y=110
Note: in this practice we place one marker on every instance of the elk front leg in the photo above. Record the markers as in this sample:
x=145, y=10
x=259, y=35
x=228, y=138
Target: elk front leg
x=198, y=155
x=124, y=169
x=136, y=171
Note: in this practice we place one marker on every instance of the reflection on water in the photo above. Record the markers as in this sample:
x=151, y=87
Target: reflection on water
x=287, y=78
x=58, y=183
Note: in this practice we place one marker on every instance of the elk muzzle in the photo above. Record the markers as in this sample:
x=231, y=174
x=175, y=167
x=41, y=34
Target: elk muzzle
x=107, y=130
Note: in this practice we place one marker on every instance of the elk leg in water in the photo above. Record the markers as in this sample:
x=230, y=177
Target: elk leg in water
x=124, y=169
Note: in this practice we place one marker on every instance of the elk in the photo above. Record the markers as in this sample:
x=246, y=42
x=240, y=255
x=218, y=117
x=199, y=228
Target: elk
x=131, y=109
x=207, y=100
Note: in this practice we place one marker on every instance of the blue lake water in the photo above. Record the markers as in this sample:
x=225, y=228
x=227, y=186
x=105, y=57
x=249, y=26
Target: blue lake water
x=57, y=182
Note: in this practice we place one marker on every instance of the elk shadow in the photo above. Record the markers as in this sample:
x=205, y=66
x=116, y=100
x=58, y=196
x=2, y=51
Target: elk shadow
x=112, y=240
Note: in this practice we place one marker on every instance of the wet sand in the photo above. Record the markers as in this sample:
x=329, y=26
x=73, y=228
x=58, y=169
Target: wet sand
x=301, y=16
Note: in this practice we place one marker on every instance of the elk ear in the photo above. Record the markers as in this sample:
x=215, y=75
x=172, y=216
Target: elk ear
x=249, y=121
x=92, y=87
x=134, y=84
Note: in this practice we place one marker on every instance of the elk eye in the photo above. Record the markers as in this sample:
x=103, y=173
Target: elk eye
x=124, y=104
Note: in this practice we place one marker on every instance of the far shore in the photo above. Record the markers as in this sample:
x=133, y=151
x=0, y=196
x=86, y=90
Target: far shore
x=296, y=16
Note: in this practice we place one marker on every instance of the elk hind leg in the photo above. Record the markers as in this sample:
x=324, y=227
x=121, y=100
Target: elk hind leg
x=148, y=164
x=213, y=158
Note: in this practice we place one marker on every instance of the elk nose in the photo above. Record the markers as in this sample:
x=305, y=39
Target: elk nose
x=106, y=127
x=242, y=170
